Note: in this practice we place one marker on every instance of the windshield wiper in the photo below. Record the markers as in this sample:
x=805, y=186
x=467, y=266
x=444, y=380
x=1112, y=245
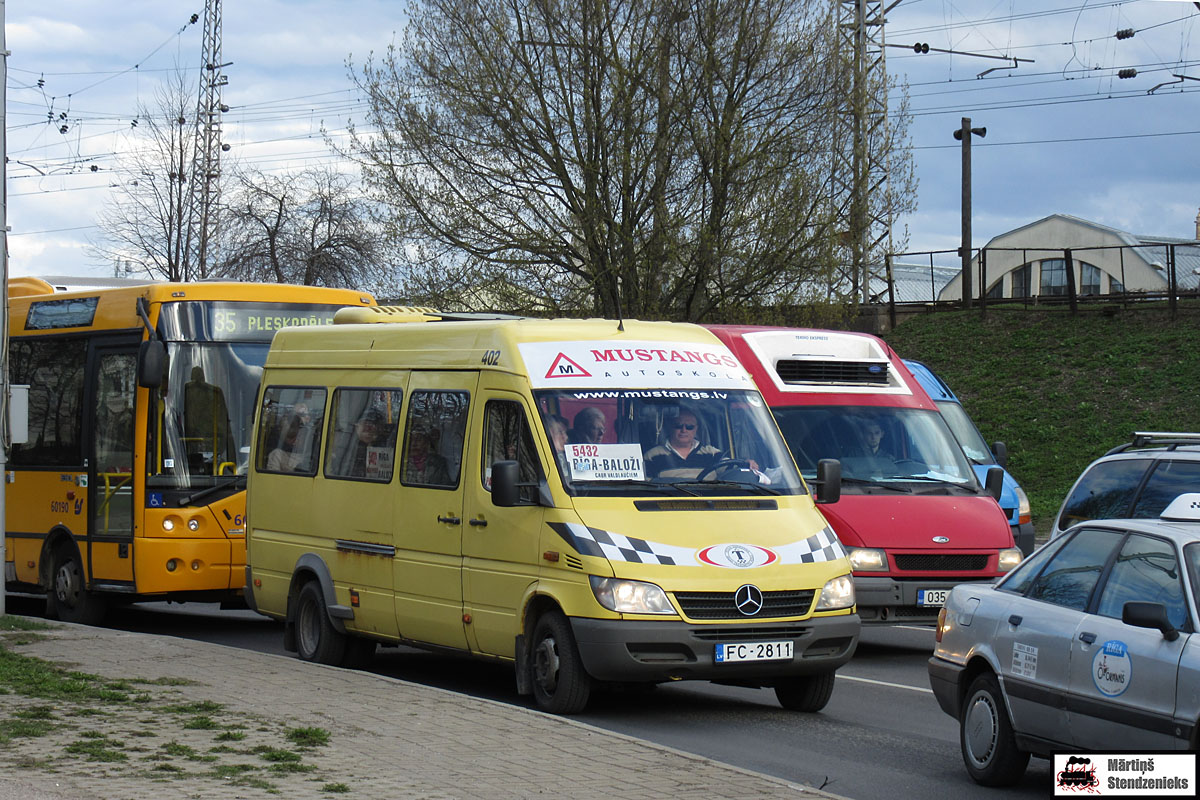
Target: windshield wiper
x=758, y=487
x=877, y=484
x=642, y=484
x=216, y=487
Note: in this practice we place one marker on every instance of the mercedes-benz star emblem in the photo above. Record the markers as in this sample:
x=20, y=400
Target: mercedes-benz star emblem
x=748, y=599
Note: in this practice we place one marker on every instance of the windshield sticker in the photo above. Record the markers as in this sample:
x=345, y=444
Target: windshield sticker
x=737, y=556
x=1024, y=660
x=821, y=546
x=605, y=462
x=1112, y=669
x=633, y=364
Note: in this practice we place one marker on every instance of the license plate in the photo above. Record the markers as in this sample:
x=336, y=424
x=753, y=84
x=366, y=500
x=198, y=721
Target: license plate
x=932, y=597
x=753, y=651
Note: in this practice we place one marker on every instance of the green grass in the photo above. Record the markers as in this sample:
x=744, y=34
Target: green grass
x=308, y=737
x=1061, y=390
x=34, y=677
x=10, y=623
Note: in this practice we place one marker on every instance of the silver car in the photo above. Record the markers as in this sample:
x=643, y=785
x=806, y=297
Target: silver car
x=1088, y=644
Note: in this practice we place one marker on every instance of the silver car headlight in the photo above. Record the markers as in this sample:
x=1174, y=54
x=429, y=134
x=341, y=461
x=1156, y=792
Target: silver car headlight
x=837, y=594
x=1009, y=558
x=630, y=597
x=866, y=559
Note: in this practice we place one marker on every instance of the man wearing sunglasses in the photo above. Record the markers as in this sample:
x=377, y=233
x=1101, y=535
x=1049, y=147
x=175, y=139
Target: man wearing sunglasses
x=681, y=456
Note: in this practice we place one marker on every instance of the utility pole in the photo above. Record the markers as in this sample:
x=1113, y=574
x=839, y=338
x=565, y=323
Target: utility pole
x=963, y=134
x=206, y=164
x=860, y=172
x=4, y=396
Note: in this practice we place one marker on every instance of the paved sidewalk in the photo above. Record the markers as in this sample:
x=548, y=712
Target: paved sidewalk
x=200, y=720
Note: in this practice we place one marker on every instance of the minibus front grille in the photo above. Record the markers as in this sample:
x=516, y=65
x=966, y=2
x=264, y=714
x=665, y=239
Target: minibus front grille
x=721, y=605
x=935, y=562
x=870, y=373
x=743, y=633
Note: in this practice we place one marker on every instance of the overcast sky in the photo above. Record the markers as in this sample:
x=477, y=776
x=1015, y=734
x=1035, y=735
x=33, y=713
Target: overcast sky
x=1064, y=132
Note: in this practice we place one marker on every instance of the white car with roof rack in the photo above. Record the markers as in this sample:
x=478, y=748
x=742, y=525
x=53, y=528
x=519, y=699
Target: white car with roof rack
x=1133, y=480
x=1089, y=644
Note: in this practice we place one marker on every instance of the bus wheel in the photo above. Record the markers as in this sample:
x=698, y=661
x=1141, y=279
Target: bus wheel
x=807, y=693
x=316, y=638
x=68, y=598
x=560, y=683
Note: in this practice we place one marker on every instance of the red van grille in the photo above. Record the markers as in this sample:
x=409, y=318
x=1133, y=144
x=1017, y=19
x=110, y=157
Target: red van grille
x=720, y=605
x=932, y=562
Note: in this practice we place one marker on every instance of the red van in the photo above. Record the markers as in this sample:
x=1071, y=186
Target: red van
x=912, y=514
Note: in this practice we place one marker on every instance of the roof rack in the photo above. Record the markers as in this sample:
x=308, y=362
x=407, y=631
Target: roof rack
x=374, y=314
x=1164, y=439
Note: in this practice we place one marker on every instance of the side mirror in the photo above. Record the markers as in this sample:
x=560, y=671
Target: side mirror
x=152, y=361
x=1000, y=453
x=994, y=483
x=504, y=484
x=1142, y=614
x=829, y=481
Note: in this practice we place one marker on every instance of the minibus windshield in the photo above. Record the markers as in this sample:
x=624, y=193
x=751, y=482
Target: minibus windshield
x=650, y=442
x=875, y=444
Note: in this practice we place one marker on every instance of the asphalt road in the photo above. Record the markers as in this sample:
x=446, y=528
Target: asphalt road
x=881, y=737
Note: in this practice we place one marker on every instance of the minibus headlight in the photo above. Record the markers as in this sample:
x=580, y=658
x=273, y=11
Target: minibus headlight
x=1009, y=558
x=838, y=593
x=630, y=597
x=865, y=558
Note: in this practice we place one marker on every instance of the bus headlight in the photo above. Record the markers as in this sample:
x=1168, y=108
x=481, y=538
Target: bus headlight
x=1009, y=558
x=864, y=559
x=630, y=597
x=838, y=593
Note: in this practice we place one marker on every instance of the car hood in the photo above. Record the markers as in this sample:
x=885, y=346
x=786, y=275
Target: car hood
x=903, y=521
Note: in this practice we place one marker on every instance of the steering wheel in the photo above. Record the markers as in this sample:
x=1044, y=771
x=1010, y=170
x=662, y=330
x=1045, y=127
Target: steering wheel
x=723, y=464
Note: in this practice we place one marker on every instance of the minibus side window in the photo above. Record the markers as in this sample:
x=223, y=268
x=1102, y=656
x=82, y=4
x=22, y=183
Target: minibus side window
x=433, y=438
x=362, y=434
x=289, y=429
x=507, y=437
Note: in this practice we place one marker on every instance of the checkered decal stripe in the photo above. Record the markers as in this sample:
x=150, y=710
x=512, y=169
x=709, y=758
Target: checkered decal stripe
x=615, y=547
x=821, y=546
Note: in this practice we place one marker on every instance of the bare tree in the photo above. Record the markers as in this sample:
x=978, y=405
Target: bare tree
x=657, y=158
x=146, y=223
x=311, y=227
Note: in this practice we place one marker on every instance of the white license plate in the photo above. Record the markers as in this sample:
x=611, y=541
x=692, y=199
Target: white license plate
x=932, y=597
x=754, y=651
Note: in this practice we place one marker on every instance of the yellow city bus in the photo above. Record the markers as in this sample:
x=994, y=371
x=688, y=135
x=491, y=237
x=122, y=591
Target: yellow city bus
x=131, y=485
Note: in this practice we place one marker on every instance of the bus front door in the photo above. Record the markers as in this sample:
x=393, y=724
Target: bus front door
x=111, y=469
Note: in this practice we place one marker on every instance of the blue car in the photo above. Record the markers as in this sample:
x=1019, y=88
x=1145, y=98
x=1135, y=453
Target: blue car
x=982, y=457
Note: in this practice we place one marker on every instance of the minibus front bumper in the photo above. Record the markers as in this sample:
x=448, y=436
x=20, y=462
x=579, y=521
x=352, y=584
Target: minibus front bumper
x=646, y=651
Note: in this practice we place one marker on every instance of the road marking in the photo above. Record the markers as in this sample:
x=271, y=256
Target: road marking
x=885, y=683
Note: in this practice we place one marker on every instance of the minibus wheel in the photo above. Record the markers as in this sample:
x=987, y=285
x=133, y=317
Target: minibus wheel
x=560, y=683
x=316, y=638
x=806, y=693
x=68, y=598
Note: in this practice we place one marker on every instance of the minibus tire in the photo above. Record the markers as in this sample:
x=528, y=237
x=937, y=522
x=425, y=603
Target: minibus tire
x=67, y=598
x=985, y=733
x=807, y=692
x=316, y=638
x=560, y=683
